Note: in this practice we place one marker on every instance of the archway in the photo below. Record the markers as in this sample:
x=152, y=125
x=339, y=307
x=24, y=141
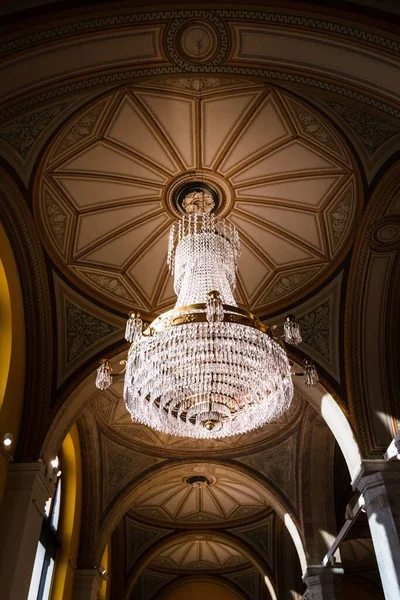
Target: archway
x=198, y=589
x=12, y=350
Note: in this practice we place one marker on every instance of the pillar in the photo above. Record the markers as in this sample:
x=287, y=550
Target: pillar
x=323, y=583
x=87, y=584
x=27, y=489
x=379, y=483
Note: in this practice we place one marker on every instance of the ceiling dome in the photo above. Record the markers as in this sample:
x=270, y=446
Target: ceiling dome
x=200, y=552
x=105, y=193
x=201, y=494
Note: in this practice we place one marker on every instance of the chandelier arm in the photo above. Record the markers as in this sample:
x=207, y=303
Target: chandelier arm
x=122, y=362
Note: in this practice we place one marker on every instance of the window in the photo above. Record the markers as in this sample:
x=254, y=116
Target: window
x=47, y=548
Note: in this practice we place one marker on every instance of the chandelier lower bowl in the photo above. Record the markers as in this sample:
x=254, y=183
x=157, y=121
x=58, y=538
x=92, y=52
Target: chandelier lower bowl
x=197, y=379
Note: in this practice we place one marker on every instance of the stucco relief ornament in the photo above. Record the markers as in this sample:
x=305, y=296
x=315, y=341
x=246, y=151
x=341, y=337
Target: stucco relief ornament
x=207, y=368
x=198, y=202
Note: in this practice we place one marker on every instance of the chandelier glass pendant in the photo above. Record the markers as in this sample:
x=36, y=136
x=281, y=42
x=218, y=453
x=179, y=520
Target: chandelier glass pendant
x=207, y=368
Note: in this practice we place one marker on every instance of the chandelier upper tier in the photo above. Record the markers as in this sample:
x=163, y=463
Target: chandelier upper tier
x=207, y=368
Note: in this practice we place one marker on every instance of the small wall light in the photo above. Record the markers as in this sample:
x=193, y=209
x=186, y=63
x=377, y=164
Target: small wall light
x=103, y=573
x=8, y=439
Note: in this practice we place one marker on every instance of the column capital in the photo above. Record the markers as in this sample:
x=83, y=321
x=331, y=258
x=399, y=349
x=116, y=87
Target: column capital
x=323, y=583
x=31, y=477
x=87, y=584
x=379, y=483
x=28, y=487
x=390, y=469
x=375, y=482
x=321, y=571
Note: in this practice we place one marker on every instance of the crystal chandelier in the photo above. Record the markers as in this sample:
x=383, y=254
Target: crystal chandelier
x=207, y=368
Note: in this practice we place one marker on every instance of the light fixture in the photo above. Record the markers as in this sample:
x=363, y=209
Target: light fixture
x=207, y=368
x=310, y=373
x=8, y=440
x=198, y=481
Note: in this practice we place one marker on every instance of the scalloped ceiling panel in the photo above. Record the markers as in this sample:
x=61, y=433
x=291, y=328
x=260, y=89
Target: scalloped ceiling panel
x=290, y=184
x=231, y=497
x=200, y=552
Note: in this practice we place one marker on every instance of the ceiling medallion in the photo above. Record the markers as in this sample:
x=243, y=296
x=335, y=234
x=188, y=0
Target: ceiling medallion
x=198, y=481
x=185, y=36
x=217, y=191
x=196, y=198
x=206, y=369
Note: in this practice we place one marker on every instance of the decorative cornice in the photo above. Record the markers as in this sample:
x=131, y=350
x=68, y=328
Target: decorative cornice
x=366, y=36
x=382, y=44
x=286, y=77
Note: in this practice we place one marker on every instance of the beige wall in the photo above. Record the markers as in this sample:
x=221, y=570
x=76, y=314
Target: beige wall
x=352, y=591
x=200, y=590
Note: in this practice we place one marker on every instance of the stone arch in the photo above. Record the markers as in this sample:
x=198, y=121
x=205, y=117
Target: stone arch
x=318, y=506
x=323, y=402
x=24, y=240
x=122, y=503
x=12, y=349
x=371, y=319
x=337, y=421
x=229, y=538
x=174, y=585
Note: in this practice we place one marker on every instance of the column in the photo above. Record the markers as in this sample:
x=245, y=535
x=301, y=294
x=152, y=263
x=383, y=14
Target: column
x=27, y=489
x=87, y=584
x=323, y=583
x=379, y=483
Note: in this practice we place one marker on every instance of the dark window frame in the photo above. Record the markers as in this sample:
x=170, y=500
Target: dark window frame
x=49, y=540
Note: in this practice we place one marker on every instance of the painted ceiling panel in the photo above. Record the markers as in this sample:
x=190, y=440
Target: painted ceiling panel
x=253, y=271
x=130, y=129
x=147, y=269
x=302, y=225
x=93, y=226
x=118, y=250
x=220, y=116
x=279, y=250
x=295, y=157
x=176, y=118
x=102, y=158
x=265, y=128
x=89, y=193
x=305, y=191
